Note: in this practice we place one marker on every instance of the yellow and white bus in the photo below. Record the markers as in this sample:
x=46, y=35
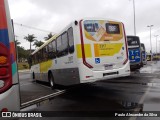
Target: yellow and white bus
x=87, y=50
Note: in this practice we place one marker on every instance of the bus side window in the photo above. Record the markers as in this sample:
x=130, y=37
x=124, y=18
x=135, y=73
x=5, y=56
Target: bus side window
x=54, y=49
x=46, y=51
x=39, y=56
x=50, y=49
x=35, y=58
x=64, y=43
x=58, y=46
x=71, y=40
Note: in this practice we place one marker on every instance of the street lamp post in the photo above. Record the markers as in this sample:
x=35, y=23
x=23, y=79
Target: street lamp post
x=150, y=26
x=134, y=17
x=156, y=44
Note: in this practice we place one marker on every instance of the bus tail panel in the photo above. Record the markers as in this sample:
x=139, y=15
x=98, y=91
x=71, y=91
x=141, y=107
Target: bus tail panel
x=103, y=44
x=103, y=50
x=9, y=85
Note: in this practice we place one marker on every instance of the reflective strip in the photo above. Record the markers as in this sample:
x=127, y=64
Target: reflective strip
x=87, y=50
x=13, y=52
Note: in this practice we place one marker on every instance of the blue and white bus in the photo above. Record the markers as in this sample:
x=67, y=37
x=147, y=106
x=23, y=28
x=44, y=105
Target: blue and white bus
x=134, y=49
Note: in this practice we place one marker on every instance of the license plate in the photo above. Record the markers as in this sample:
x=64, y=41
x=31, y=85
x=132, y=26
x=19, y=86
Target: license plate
x=107, y=67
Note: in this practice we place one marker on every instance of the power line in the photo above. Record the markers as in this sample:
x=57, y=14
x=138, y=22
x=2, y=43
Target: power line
x=22, y=25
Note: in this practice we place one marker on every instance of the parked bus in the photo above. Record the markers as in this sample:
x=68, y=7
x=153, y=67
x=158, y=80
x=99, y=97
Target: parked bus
x=149, y=56
x=134, y=48
x=9, y=84
x=85, y=51
x=144, y=56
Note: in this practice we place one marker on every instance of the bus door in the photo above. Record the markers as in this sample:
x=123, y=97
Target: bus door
x=9, y=84
x=104, y=44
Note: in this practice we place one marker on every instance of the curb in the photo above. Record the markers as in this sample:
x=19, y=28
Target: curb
x=26, y=70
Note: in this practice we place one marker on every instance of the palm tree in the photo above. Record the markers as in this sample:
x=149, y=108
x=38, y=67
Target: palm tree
x=48, y=36
x=38, y=43
x=30, y=38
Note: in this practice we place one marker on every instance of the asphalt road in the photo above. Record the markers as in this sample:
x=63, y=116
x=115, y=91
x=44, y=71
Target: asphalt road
x=138, y=92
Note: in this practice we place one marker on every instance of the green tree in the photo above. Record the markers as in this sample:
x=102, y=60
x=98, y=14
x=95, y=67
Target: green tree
x=22, y=53
x=38, y=43
x=48, y=36
x=17, y=43
x=30, y=38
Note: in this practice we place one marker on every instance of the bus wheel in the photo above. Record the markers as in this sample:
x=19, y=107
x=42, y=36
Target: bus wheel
x=33, y=77
x=51, y=81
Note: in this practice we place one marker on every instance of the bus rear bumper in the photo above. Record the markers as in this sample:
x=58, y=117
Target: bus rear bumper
x=136, y=66
x=108, y=74
x=10, y=99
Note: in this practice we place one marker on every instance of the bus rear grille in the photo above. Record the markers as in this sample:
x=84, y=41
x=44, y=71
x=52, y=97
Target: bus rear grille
x=111, y=73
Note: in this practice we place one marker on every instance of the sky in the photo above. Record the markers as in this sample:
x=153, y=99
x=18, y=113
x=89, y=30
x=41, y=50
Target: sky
x=54, y=15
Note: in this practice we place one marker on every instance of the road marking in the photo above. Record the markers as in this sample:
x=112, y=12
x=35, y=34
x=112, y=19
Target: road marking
x=41, y=99
x=43, y=85
x=26, y=84
x=141, y=101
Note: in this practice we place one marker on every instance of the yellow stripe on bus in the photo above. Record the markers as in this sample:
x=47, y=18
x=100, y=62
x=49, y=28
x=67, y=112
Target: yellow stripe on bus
x=44, y=66
x=107, y=49
x=87, y=48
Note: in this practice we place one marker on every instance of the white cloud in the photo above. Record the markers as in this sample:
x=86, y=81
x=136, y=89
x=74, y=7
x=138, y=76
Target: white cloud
x=54, y=15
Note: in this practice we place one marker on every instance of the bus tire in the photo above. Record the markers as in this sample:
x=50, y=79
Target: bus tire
x=51, y=81
x=33, y=76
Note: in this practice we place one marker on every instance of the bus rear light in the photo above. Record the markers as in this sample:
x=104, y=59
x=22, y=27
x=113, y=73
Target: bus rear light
x=1, y=83
x=3, y=71
x=3, y=60
x=88, y=76
x=4, y=110
x=82, y=47
x=126, y=45
x=5, y=68
x=125, y=61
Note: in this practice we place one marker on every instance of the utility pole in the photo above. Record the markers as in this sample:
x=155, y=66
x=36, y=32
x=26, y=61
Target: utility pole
x=150, y=26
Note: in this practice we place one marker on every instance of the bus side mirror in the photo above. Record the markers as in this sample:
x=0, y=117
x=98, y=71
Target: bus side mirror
x=76, y=22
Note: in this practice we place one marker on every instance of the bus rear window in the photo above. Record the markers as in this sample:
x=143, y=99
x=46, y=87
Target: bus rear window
x=91, y=27
x=132, y=41
x=112, y=28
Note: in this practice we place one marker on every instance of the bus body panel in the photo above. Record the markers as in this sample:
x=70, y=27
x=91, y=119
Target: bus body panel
x=9, y=95
x=12, y=46
x=144, y=56
x=134, y=55
x=10, y=98
x=98, y=72
x=103, y=50
x=88, y=75
x=65, y=71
